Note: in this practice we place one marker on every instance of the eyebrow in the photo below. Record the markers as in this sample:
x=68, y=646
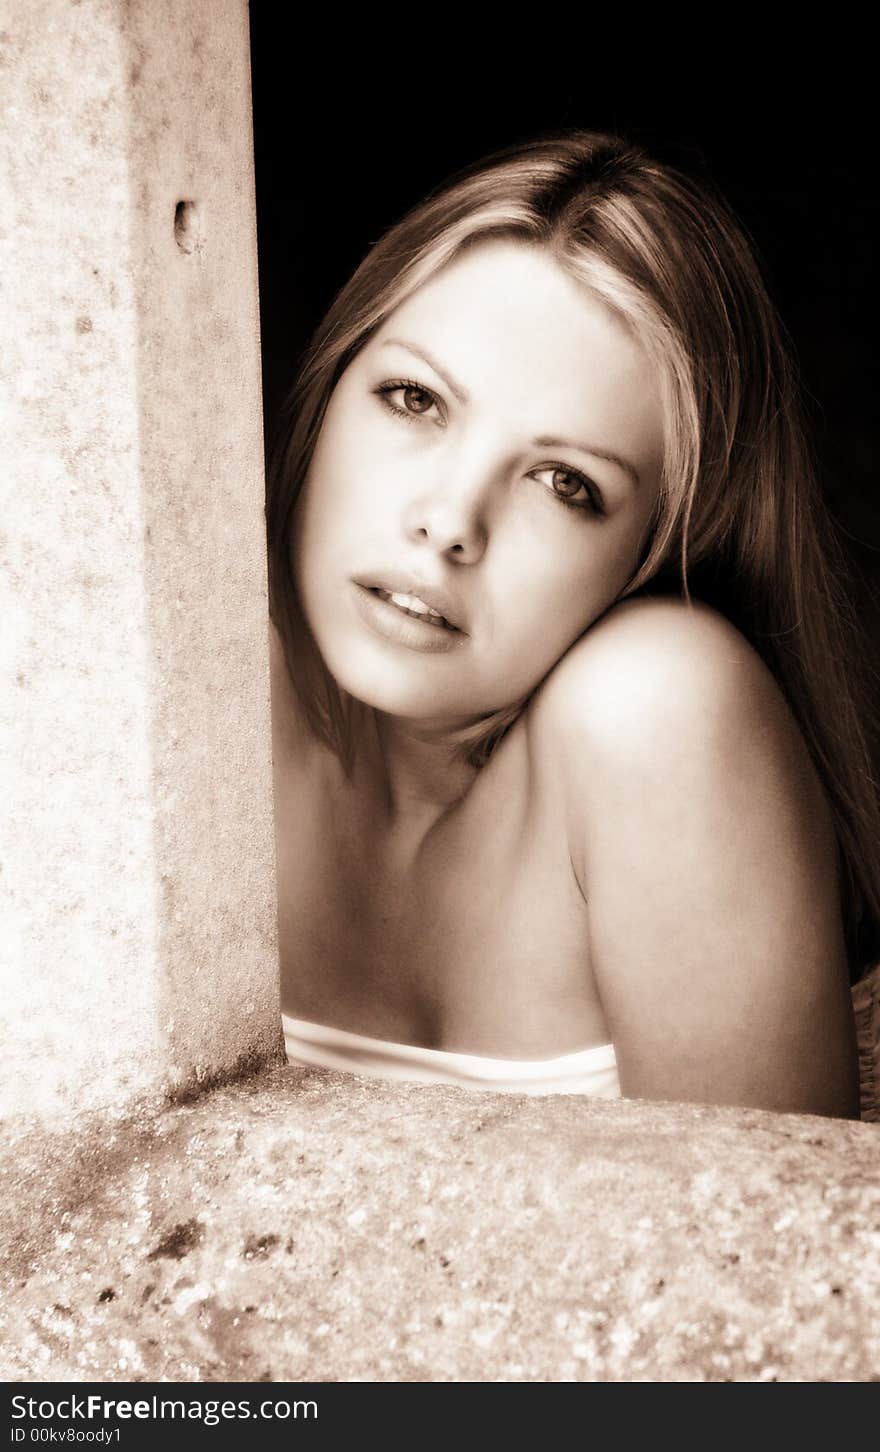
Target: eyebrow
x=455, y=388
x=542, y=443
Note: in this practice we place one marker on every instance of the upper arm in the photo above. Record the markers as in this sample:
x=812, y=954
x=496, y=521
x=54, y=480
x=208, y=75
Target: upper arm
x=706, y=856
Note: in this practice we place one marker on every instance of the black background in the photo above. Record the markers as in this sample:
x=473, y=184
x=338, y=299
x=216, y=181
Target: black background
x=350, y=129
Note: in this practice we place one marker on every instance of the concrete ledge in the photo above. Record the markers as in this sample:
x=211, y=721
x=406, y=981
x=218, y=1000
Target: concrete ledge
x=302, y=1225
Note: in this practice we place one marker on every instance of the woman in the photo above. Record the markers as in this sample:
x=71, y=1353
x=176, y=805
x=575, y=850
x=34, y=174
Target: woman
x=571, y=788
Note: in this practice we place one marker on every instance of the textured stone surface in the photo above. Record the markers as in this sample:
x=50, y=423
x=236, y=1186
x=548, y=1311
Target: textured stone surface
x=303, y=1225
x=137, y=883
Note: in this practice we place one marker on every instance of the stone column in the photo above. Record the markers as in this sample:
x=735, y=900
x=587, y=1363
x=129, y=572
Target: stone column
x=137, y=882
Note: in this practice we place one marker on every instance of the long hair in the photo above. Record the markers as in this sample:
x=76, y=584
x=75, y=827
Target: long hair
x=740, y=520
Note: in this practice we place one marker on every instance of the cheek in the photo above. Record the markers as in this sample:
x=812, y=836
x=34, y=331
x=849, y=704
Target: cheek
x=541, y=618
x=323, y=509
x=577, y=571
x=346, y=488
x=552, y=608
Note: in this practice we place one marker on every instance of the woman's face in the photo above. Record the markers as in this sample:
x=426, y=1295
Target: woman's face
x=493, y=453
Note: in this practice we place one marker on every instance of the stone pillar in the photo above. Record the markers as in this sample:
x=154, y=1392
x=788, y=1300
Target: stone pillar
x=137, y=882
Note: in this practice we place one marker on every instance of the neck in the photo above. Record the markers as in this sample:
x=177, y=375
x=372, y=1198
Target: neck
x=415, y=773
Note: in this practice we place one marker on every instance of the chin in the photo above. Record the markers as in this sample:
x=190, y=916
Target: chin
x=397, y=699
x=399, y=693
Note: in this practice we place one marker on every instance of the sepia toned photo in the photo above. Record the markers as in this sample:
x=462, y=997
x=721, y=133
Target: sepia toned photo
x=442, y=872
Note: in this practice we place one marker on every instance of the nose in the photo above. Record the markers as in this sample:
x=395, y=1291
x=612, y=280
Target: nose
x=452, y=518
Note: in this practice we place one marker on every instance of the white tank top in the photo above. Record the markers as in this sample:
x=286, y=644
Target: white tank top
x=588, y=1071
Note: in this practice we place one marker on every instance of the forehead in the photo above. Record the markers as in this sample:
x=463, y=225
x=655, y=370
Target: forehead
x=505, y=312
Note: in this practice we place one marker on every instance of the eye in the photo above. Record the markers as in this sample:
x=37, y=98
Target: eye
x=572, y=488
x=417, y=399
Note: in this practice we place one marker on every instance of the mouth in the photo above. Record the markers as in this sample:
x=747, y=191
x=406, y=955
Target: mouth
x=413, y=605
x=407, y=592
x=407, y=619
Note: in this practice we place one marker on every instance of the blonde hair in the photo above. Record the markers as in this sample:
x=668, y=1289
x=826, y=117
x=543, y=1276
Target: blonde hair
x=740, y=521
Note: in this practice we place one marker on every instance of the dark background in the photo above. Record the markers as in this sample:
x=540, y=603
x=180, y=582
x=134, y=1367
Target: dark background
x=350, y=130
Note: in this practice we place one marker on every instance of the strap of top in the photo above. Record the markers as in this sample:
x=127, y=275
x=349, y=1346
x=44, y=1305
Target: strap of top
x=587, y=1071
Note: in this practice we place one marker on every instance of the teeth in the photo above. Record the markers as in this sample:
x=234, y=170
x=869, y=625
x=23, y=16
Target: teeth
x=414, y=606
x=412, y=602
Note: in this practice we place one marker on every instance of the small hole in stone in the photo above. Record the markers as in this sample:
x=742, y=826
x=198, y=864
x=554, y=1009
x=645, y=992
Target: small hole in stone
x=186, y=226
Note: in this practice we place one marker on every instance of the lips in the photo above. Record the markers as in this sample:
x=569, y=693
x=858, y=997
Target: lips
x=392, y=582
x=411, y=605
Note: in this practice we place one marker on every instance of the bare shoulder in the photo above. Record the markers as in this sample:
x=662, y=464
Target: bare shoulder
x=669, y=687
x=705, y=852
x=654, y=665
